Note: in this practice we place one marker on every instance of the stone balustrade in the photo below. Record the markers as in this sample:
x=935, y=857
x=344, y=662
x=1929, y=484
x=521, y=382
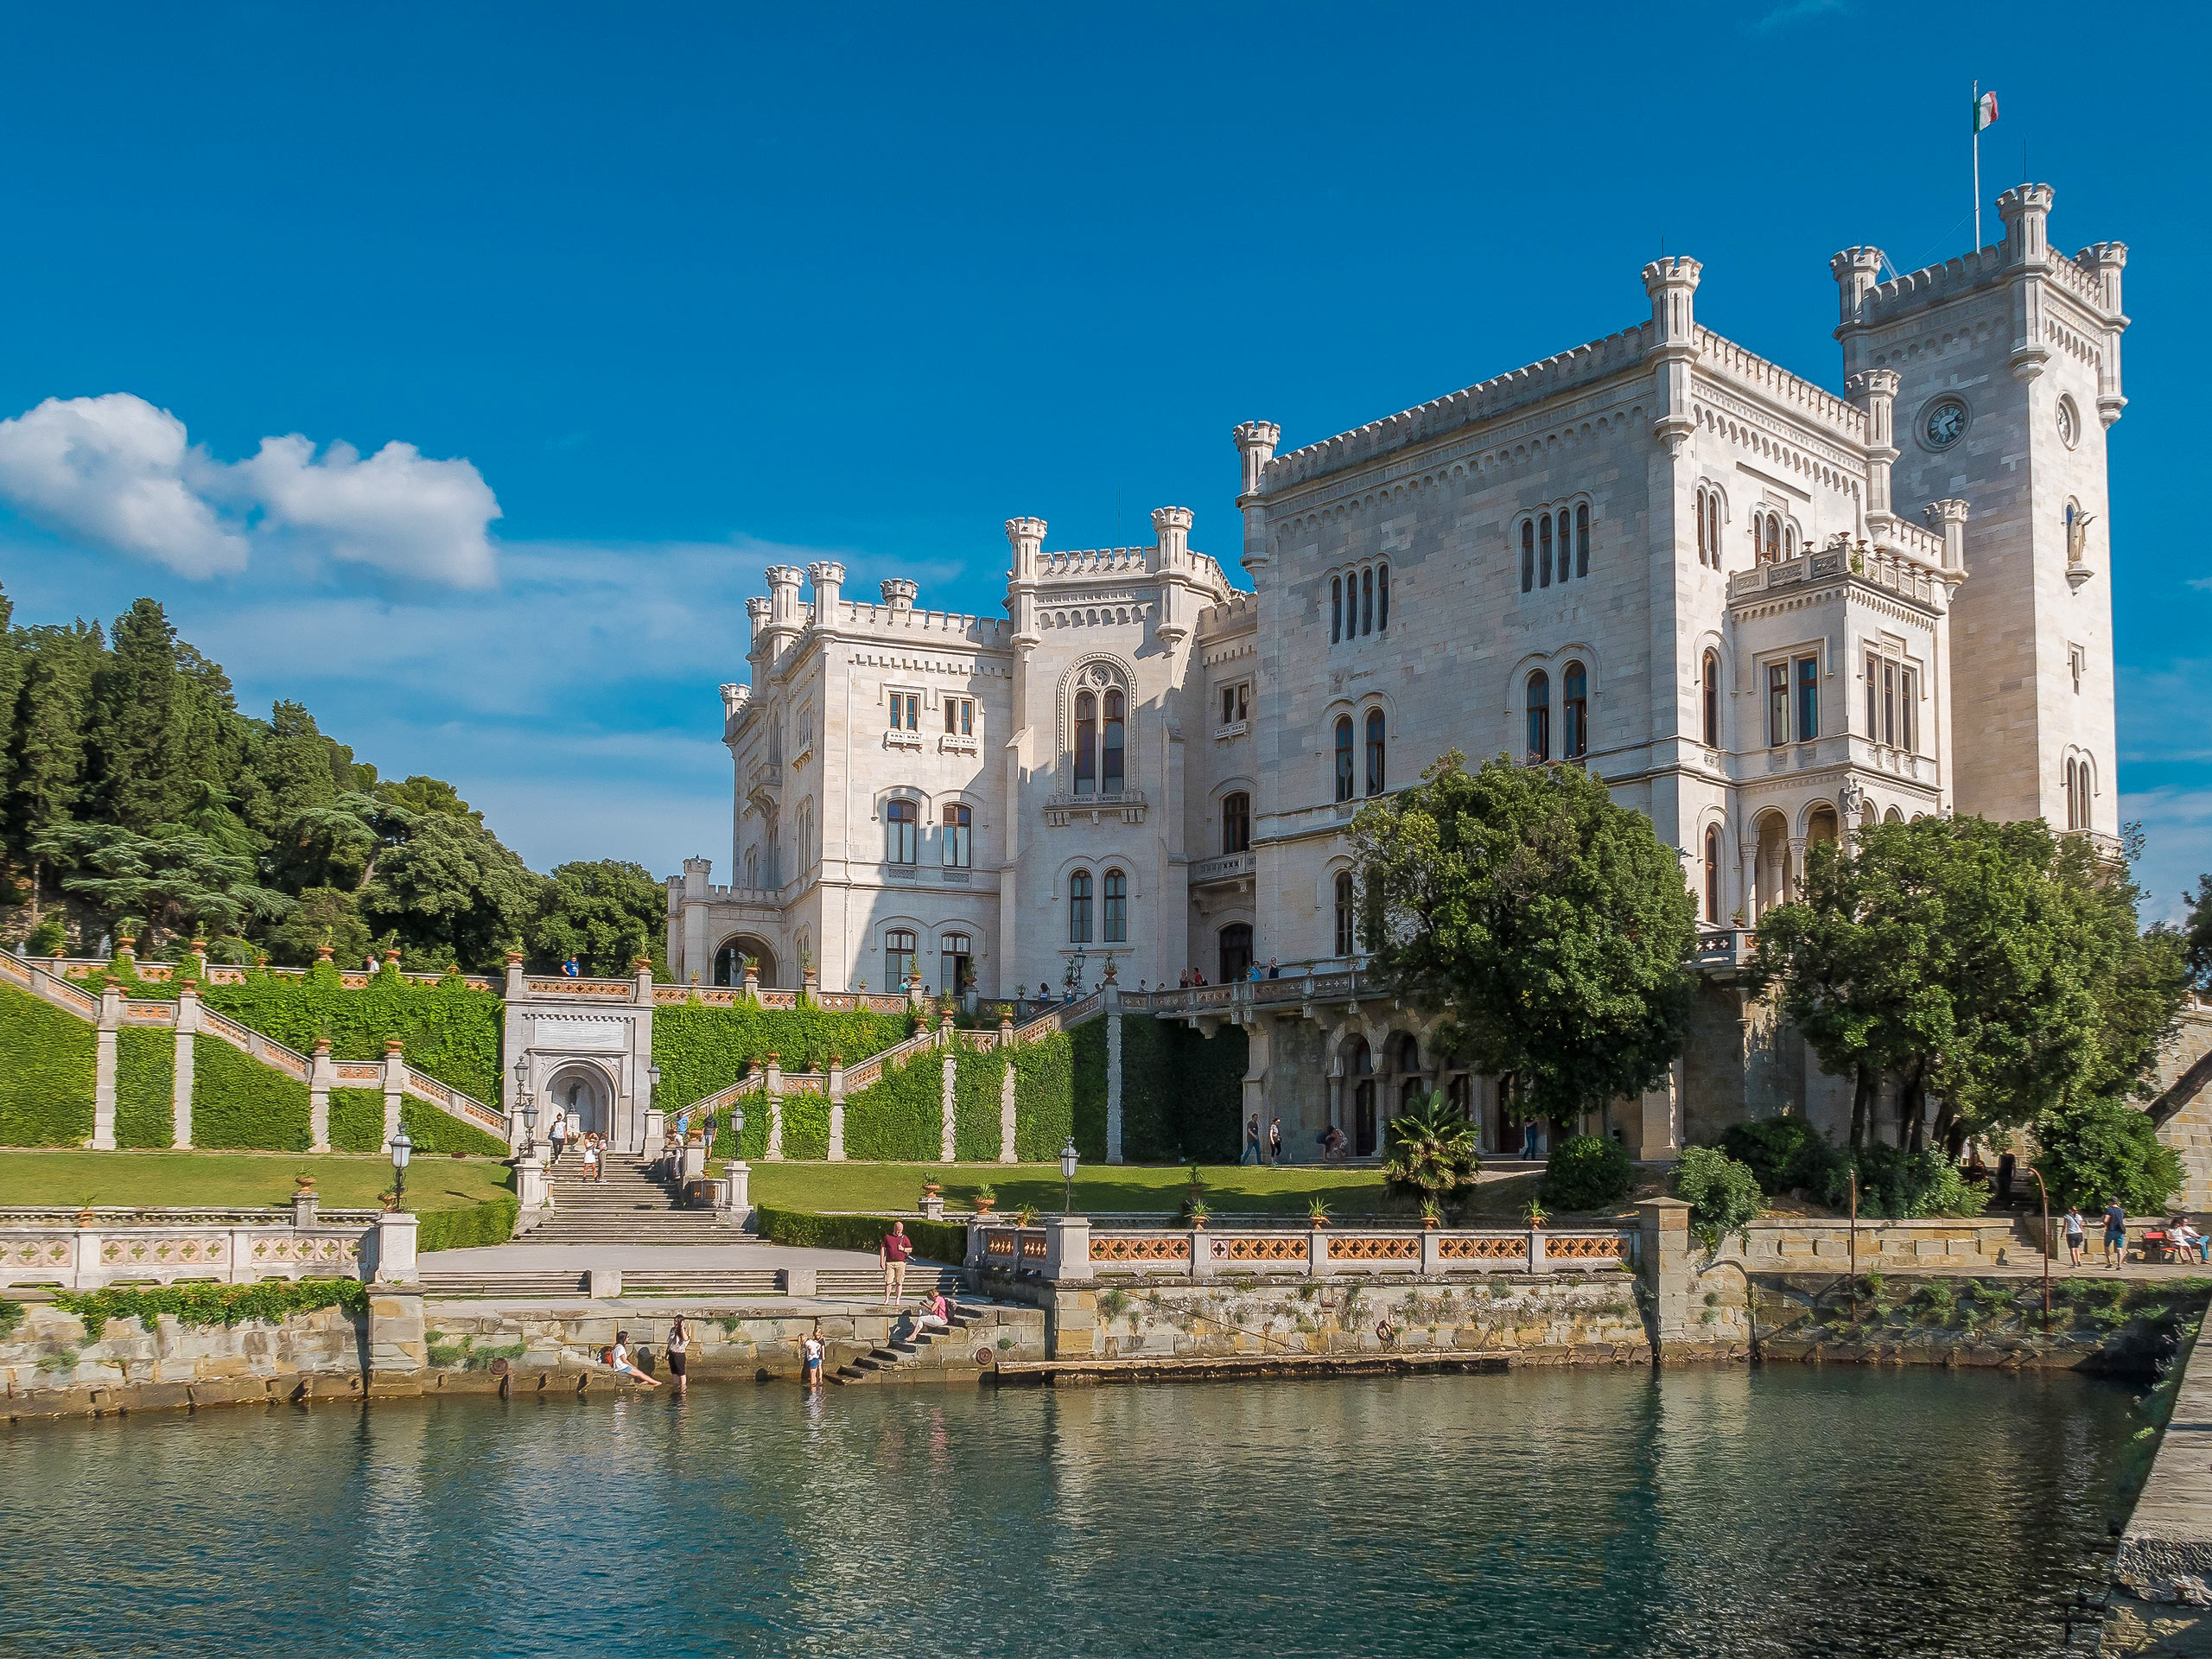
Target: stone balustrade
x=1070, y=1249
x=92, y=1249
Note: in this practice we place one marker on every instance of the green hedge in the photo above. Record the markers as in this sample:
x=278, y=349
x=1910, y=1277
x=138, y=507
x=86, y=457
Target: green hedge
x=897, y=1119
x=273, y=1301
x=357, y=1125
x=977, y=1081
x=937, y=1241
x=238, y=1102
x=701, y=1050
x=1182, y=1093
x=806, y=1126
x=1052, y=1080
x=145, y=1088
x=46, y=1063
x=357, y=1120
x=489, y=1223
x=447, y=1029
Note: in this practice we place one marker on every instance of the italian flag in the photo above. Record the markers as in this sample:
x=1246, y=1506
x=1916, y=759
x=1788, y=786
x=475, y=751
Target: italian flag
x=1985, y=111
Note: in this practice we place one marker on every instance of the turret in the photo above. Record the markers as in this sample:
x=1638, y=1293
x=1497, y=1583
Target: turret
x=1876, y=392
x=1171, y=526
x=898, y=594
x=759, y=609
x=1026, y=537
x=1856, y=271
x=1948, y=520
x=1672, y=285
x=2105, y=261
x=828, y=578
x=1255, y=443
x=784, y=617
x=2025, y=209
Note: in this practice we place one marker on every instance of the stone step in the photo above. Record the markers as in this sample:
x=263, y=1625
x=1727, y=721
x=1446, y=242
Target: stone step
x=502, y=1284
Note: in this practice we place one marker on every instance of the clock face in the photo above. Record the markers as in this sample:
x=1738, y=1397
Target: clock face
x=2069, y=424
x=1944, y=422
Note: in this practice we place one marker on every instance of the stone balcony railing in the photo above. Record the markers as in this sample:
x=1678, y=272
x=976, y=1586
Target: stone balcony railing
x=92, y=1249
x=1229, y=866
x=1892, y=572
x=1127, y=805
x=1070, y=1250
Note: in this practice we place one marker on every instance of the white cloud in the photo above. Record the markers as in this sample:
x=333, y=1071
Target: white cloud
x=116, y=471
x=119, y=474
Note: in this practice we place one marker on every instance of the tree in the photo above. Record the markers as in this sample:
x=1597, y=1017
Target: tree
x=605, y=912
x=2090, y=1151
x=13, y=655
x=1432, y=1151
x=1547, y=925
x=453, y=887
x=296, y=768
x=322, y=916
x=49, y=766
x=140, y=734
x=339, y=845
x=2197, y=934
x=176, y=880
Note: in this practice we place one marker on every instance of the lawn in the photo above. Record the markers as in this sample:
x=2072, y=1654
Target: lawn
x=1115, y=1188
x=241, y=1179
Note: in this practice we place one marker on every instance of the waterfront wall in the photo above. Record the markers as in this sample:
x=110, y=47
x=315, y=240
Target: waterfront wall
x=2161, y=1599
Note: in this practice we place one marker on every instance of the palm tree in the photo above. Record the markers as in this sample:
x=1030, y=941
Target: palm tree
x=1431, y=1149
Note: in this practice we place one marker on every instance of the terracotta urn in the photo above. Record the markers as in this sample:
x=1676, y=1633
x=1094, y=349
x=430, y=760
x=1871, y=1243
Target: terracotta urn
x=305, y=1183
x=984, y=1206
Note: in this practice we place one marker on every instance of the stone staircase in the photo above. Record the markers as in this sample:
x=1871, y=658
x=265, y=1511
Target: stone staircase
x=902, y=1353
x=628, y=1207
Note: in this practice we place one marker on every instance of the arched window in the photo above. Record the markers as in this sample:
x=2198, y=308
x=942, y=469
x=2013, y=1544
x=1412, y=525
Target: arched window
x=1713, y=873
x=1079, y=908
x=1344, y=913
x=1375, y=751
x=1702, y=550
x=954, y=971
x=1236, y=951
x=1086, y=743
x=1566, y=544
x=1712, y=526
x=1544, y=552
x=1789, y=541
x=1235, y=824
x=1581, y=542
x=1540, y=716
x=1528, y=554
x=2079, y=791
x=1710, y=692
x=898, y=958
x=1336, y=609
x=1367, y=601
x=901, y=821
x=1117, y=907
x=1110, y=771
x=1574, y=713
x=1773, y=538
x=959, y=824
x=1344, y=758
x=1383, y=599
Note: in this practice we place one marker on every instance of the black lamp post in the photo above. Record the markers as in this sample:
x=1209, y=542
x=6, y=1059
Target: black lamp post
x=524, y=1105
x=1068, y=1162
x=401, y=1149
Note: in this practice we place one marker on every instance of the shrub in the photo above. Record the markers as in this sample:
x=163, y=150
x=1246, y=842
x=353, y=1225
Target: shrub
x=896, y=1118
x=1588, y=1171
x=1898, y=1185
x=357, y=1120
x=236, y=1101
x=1723, y=1195
x=492, y=1222
x=976, y=1083
x=2104, y=1149
x=46, y=1060
x=272, y=1300
x=701, y=1050
x=1182, y=1093
x=938, y=1241
x=1431, y=1149
x=1054, y=1080
x=1786, y=1154
x=145, y=1088
x=449, y=1029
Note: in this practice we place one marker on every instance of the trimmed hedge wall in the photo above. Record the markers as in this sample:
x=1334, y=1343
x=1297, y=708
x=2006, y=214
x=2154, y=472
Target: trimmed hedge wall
x=357, y=1120
x=47, y=1059
x=1182, y=1094
x=447, y=1029
x=489, y=1223
x=977, y=1080
x=357, y=1125
x=935, y=1241
x=145, y=1088
x=896, y=1119
x=1049, y=1078
x=701, y=1049
x=236, y=1101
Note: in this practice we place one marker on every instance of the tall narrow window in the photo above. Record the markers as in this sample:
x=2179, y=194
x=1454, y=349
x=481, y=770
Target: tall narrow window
x=1367, y=601
x=906, y=711
x=1574, y=713
x=1336, y=609
x=1565, y=543
x=1777, y=704
x=1713, y=873
x=1711, y=691
x=954, y=973
x=959, y=824
x=1544, y=552
x=1235, y=824
x=1540, y=716
x=1713, y=527
x=1116, y=907
x=1344, y=758
x=898, y=958
x=1111, y=767
x=2073, y=812
x=1908, y=711
x=1581, y=542
x=1383, y=599
x=1789, y=541
x=960, y=716
x=1375, y=751
x=1528, y=554
x=1079, y=908
x=1889, y=703
x=1773, y=538
x=1808, y=698
x=901, y=821
x=1086, y=743
x=1873, y=698
x=1701, y=548
x=1344, y=913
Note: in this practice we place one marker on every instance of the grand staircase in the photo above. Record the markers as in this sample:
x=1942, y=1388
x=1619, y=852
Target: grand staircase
x=902, y=1352
x=628, y=1207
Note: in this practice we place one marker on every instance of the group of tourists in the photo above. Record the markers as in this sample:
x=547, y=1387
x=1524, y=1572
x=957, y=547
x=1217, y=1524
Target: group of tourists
x=2181, y=1240
x=1260, y=1150
x=589, y=1147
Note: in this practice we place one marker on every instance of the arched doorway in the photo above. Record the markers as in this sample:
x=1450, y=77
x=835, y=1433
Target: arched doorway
x=1235, y=952
x=1406, y=1061
x=1359, y=1066
x=580, y=1091
x=1773, y=868
x=729, y=969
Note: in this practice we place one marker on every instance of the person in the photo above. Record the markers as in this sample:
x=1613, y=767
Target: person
x=1275, y=969
x=618, y=1357
x=2185, y=1241
x=1528, y=1139
x=1251, y=1153
x=934, y=1315
x=2115, y=1234
x=810, y=1367
x=2077, y=1232
x=559, y=1132
x=370, y=966
x=591, y=1157
x=1332, y=1143
x=894, y=1253
x=683, y=1125
x=1043, y=992
x=1253, y=973
x=2007, y=1166
x=679, y=1346
x=1274, y=1140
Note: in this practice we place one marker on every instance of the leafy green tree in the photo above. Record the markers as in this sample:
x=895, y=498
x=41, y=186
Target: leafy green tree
x=2197, y=934
x=339, y=845
x=140, y=723
x=296, y=767
x=1548, y=924
x=1586, y=1172
x=454, y=887
x=420, y=795
x=1431, y=1151
x=178, y=883
x=1723, y=1196
x=2093, y=1150
x=605, y=912
x=13, y=655
x=323, y=916
x=49, y=765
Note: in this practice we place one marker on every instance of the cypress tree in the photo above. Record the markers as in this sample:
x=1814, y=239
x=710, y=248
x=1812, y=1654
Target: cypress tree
x=11, y=686
x=49, y=763
x=140, y=736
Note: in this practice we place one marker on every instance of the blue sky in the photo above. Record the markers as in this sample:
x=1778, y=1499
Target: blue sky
x=677, y=292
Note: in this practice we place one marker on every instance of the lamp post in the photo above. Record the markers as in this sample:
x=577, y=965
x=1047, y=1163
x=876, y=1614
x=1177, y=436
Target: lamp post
x=1068, y=1162
x=1074, y=981
x=526, y=1106
x=401, y=1149
x=2045, y=1191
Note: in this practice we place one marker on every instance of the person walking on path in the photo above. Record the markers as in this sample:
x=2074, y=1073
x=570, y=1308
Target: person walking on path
x=894, y=1253
x=1274, y=1140
x=1528, y=1140
x=1251, y=1153
x=591, y=1156
x=2077, y=1234
x=2115, y=1234
x=558, y=1134
x=810, y=1368
x=678, y=1348
x=618, y=1359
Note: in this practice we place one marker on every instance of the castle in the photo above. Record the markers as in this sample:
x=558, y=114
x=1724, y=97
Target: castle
x=1763, y=614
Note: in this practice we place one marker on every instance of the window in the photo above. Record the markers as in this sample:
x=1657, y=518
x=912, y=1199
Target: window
x=1375, y=751
x=1236, y=951
x=1704, y=552
x=1889, y=703
x=1336, y=609
x=1712, y=528
x=1235, y=824
x=2078, y=660
x=1344, y=913
x=1079, y=908
x=1117, y=907
x=1235, y=703
x=1712, y=697
x=960, y=716
x=1808, y=698
x=906, y=711
x=1110, y=771
x=1366, y=601
x=898, y=958
x=1873, y=697
x=1086, y=743
x=900, y=822
x=1574, y=713
x=1564, y=545
x=954, y=972
x=1908, y=710
x=959, y=822
x=1766, y=537
x=1344, y=758
x=1544, y=552
x=1383, y=599
x=1540, y=716
x=752, y=867
x=2080, y=790
x=1528, y=554
x=1581, y=542
x=1777, y=704
x=1713, y=873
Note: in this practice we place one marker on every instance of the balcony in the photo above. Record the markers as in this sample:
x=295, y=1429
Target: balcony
x=1229, y=866
x=1876, y=567
x=1127, y=805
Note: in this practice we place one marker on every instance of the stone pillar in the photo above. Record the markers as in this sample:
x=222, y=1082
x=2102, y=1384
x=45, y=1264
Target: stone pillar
x=914, y=989
x=773, y=1095
x=1668, y=1269
x=516, y=986
x=1114, y=1125
x=1067, y=1249
x=188, y=1022
x=737, y=1193
x=304, y=1206
x=399, y=1343
x=395, y=1088
x=837, y=1108
x=85, y=1271
x=530, y=1183
x=946, y=1095
x=1317, y=1254
x=1008, y=1116
x=1201, y=1254
x=111, y=1021
x=397, y=1231
x=321, y=1074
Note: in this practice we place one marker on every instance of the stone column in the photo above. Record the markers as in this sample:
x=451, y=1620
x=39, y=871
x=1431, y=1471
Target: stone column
x=397, y=1231
x=1008, y=1117
x=772, y=1093
x=188, y=1022
x=737, y=1191
x=837, y=1108
x=945, y=1097
x=1114, y=1123
x=399, y=1341
x=1667, y=1267
x=320, y=1075
x=1067, y=1249
x=395, y=1088
x=530, y=1184
x=85, y=1271
x=111, y=1021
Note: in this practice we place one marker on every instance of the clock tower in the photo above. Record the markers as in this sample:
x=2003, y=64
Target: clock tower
x=2008, y=383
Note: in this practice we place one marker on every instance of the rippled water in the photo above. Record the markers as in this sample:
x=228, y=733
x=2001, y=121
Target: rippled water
x=1784, y=1510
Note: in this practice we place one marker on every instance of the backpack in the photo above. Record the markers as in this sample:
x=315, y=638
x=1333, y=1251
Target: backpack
x=606, y=1355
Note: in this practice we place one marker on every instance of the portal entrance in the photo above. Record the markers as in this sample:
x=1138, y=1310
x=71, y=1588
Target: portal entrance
x=583, y=1093
x=729, y=961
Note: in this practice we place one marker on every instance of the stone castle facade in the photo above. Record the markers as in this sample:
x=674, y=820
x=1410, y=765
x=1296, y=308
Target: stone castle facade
x=1765, y=614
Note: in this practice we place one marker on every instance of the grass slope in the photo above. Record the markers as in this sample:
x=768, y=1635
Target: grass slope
x=241, y=1179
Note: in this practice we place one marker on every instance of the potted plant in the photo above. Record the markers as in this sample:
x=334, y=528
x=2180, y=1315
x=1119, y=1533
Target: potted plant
x=1197, y=1209
x=987, y=1197
x=1432, y=1213
x=932, y=1189
x=305, y=1181
x=1026, y=1216
x=1317, y=1213
x=1536, y=1213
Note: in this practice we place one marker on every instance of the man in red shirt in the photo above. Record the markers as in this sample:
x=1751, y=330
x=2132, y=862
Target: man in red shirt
x=892, y=1253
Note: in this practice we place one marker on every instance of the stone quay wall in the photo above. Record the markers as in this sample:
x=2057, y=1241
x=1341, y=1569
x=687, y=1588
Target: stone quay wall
x=2161, y=1599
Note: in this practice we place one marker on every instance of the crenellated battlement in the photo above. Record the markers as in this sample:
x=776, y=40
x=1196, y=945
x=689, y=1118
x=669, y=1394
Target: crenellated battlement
x=1722, y=356
x=907, y=622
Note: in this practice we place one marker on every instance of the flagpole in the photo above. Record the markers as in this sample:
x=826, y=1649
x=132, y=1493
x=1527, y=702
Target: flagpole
x=1977, y=166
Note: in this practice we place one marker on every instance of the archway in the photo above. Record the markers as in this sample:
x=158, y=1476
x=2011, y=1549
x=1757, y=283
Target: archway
x=1773, y=871
x=1359, y=1066
x=581, y=1092
x=1235, y=952
x=729, y=969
